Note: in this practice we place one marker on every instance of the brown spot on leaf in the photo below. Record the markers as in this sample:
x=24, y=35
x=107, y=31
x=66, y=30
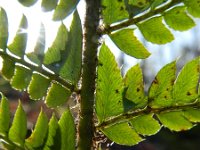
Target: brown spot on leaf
x=155, y=81
x=138, y=89
x=121, y=8
x=188, y=94
x=116, y=91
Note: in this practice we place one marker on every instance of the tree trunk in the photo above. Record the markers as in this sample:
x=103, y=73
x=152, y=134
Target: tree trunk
x=91, y=36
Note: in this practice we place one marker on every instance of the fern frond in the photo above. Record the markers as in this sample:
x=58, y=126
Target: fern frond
x=123, y=106
x=29, y=74
x=57, y=134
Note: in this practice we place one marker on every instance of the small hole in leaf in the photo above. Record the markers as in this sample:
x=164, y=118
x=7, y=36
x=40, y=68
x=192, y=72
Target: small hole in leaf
x=116, y=91
x=188, y=94
x=167, y=89
x=138, y=89
x=165, y=97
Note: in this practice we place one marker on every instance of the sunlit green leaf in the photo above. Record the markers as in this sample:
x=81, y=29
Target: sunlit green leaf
x=27, y=3
x=3, y=29
x=48, y=5
x=67, y=131
x=21, y=78
x=57, y=95
x=38, y=54
x=53, y=54
x=64, y=8
x=193, y=7
x=177, y=19
x=192, y=115
x=53, y=126
x=18, y=45
x=109, y=86
x=122, y=133
x=128, y=43
x=155, y=31
x=175, y=121
x=114, y=11
x=71, y=68
x=39, y=134
x=38, y=86
x=185, y=87
x=8, y=68
x=4, y=116
x=160, y=92
x=145, y=125
x=135, y=87
x=18, y=130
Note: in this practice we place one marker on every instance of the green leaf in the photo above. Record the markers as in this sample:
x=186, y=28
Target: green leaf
x=155, y=31
x=4, y=116
x=21, y=78
x=185, y=87
x=175, y=121
x=71, y=68
x=53, y=126
x=38, y=54
x=145, y=125
x=67, y=131
x=18, y=130
x=8, y=68
x=128, y=43
x=109, y=86
x=48, y=5
x=192, y=115
x=122, y=133
x=193, y=7
x=38, y=86
x=64, y=8
x=156, y=3
x=39, y=134
x=27, y=3
x=114, y=11
x=178, y=19
x=160, y=92
x=53, y=54
x=57, y=95
x=135, y=87
x=18, y=45
x=3, y=29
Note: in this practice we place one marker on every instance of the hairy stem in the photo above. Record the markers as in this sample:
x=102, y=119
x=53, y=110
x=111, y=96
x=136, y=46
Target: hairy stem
x=138, y=19
x=147, y=110
x=41, y=70
x=86, y=126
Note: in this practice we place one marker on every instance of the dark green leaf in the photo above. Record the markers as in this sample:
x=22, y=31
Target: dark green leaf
x=27, y=3
x=193, y=7
x=57, y=95
x=67, y=131
x=135, y=87
x=4, y=116
x=145, y=125
x=53, y=126
x=128, y=43
x=177, y=19
x=18, y=130
x=160, y=92
x=48, y=5
x=3, y=29
x=8, y=68
x=185, y=87
x=122, y=133
x=114, y=11
x=155, y=31
x=21, y=78
x=38, y=86
x=109, y=86
x=175, y=121
x=39, y=134
x=18, y=45
x=71, y=68
x=64, y=8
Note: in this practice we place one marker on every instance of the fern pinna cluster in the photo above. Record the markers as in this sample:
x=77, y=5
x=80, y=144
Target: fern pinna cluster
x=124, y=112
